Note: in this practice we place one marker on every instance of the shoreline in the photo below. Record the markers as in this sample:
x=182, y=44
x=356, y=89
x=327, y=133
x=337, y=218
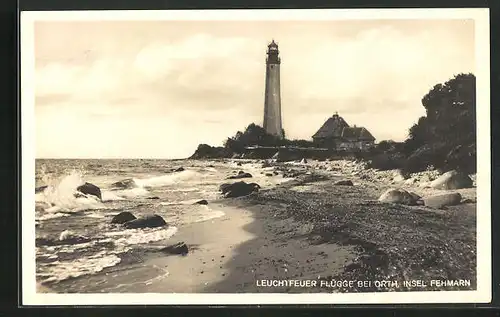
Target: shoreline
x=293, y=231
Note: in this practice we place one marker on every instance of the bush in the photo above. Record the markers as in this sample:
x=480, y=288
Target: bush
x=386, y=161
x=446, y=137
x=427, y=155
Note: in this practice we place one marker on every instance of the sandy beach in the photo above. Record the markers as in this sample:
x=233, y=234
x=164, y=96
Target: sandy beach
x=305, y=229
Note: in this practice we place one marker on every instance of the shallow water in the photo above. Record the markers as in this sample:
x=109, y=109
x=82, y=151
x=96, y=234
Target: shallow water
x=106, y=244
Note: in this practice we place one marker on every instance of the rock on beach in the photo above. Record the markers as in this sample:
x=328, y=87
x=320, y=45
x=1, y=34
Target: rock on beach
x=178, y=248
x=399, y=196
x=452, y=180
x=344, y=183
x=440, y=201
x=238, y=189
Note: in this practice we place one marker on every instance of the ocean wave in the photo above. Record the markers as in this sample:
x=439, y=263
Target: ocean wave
x=130, y=193
x=168, y=179
x=62, y=270
x=60, y=195
x=129, y=237
x=108, y=196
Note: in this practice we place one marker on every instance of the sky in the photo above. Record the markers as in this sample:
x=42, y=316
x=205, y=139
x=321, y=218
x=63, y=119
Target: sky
x=157, y=89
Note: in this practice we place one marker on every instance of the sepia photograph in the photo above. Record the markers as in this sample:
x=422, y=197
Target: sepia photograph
x=255, y=157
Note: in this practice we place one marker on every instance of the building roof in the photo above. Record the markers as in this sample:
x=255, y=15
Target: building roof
x=357, y=134
x=332, y=127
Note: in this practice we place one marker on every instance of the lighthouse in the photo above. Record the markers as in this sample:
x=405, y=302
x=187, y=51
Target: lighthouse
x=272, y=102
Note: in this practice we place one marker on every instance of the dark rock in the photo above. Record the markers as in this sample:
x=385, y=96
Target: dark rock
x=40, y=189
x=154, y=197
x=440, y=201
x=151, y=221
x=201, y=202
x=344, y=183
x=240, y=175
x=178, y=248
x=125, y=184
x=90, y=189
x=269, y=174
x=452, y=180
x=469, y=201
x=123, y=217
x=240, y=172
x=180, y=169
x=239, y=189
x=239, y=164
x=224, y=187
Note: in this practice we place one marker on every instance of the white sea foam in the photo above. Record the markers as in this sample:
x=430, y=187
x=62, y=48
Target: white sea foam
x=212, y=215
x=62, y=270
x=131, y=193
x=110, y=196
x=130, y=237
x=168, y=179
x=47, y=216
x=187, y=189
x=59, y=194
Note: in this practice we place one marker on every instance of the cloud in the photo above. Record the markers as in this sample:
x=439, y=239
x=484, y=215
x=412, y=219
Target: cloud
x=205, y=73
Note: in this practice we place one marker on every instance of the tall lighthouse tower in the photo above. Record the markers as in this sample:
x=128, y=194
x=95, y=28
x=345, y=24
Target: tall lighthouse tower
x=272, y=103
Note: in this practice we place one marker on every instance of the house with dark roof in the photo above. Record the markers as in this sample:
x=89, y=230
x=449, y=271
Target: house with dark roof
x=335, y=133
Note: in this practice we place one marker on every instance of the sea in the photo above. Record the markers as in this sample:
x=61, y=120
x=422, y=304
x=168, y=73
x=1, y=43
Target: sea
x=169, y=188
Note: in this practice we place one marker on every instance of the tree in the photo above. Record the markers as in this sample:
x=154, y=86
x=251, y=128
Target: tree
x=450, y=120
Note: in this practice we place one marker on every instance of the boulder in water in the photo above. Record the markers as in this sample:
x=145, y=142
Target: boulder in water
x=178, y=248
x=201, y=202
x=125, y=184
x=440, y=201
x=240, y=189
x=123, y=217
x=240, y=175
x=153, y=197
x=269, y=174
x=224, y=187
x=151, y=221
x=344, y=183
x=90, y=189
x=180, y=169
x=398, y=196
x=304, y=161
x=452, y=180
